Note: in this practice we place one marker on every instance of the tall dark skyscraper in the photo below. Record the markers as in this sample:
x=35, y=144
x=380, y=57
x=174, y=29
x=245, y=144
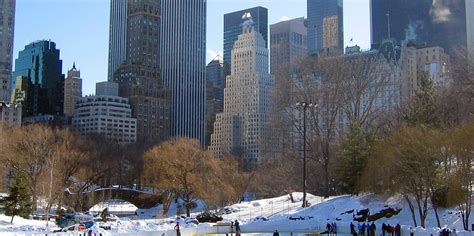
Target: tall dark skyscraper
x=38, y=79
x=117, y=35
x=434, y=22
x=183, y=64
x=214, y=94
x=325, y=25
x=7, y=28
x=139, y=77
x=233, y=28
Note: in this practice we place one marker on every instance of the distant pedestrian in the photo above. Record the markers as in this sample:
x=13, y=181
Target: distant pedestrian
x=353, y=231
x=454, y=233
x=363, y=229
x=384, y=229
x=329, y=228
x=176, y=227
x=237, y=227
x=334, y=228
x=390, y=230
x=398, y=230
x=373, y=228
x=276, y=233
x=412, y=231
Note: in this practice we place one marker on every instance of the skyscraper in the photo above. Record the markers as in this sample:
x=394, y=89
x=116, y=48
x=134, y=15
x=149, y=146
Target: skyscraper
x=117, y=35
x=72, y=90
x=7, y=28
x=214, y=94
x=139, y=76
x=183, y=55
x=325, y=25
x=233, y=28
x=240, y=129
x=288, y=43
x=39, y=70
x=470, y=24
x=436, y=23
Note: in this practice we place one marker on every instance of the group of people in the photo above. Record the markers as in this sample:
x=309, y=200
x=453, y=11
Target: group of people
x=331, y=228
x=367, y=229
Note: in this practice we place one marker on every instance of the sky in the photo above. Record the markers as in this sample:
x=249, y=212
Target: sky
x=80, y=28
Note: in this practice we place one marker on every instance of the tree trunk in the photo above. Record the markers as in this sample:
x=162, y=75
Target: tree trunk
x=12, y=219
x=412, y=210
x=435, y=208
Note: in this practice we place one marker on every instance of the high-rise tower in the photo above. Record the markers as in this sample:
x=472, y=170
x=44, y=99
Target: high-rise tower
x=7, y=15
x=139, y=76
x=38, y=79
x=117, y=35
x=240, y=129
x=72, y=90
x=288, y=43
x=433, y=23
x=183, y=55
x=325, y=25
x=233, y=28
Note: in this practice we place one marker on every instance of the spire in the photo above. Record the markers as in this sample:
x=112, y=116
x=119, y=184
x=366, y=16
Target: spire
x=74, y=65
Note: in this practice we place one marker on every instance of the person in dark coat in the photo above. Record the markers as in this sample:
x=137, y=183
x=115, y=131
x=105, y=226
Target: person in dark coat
x=334, y=228
x=353, y=231
x=363, y=229
x=237, y=226
x=397, y=230
x=178, y=231
x=390, y=229
x=373, y=228
x=384, y=229
x=276, y=233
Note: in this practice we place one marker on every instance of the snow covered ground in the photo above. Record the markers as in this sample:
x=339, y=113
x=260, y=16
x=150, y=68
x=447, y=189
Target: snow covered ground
x=263, y=217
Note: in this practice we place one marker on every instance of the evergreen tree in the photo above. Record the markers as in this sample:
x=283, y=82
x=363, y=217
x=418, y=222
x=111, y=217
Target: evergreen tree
x=353, y=158
x=421, y=110
x=18, y=201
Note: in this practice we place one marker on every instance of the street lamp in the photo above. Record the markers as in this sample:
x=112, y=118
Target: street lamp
x=304, y=106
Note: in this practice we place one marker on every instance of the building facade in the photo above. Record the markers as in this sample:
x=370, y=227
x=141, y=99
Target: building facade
x=117, y=35
x=214, y=94
x=288, y=43
x=325, y=25
x=72, y=90
x=434, y=23
x=7, y=15
x=39, y=62
x=470, y=25
x=416, y=60
x=139, y=76
x=107, y=116
x=240, y=129
x=10, y=114
x=183, y=65
x=233, y=28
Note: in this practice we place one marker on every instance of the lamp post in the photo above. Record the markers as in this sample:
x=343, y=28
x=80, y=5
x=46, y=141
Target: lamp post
x=304, y=106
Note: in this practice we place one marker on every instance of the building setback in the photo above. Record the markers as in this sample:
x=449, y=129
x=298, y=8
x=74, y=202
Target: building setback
x=38, y=72
x=10, y=114
x=233, y=28
x=240, y=129
x=214, y=94
x=325, y=25
x=183, y=55
x=435, y=23
x=7, y=28
x=72, y=90
x=105, y=115
x=139, y=76
x=288, y=43
x=117, y=35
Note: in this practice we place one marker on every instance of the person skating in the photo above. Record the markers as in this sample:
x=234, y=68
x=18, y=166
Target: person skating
x=353, y=231
x=384, y=229
x=276, y=233
x=397, y=230
x=176, y=227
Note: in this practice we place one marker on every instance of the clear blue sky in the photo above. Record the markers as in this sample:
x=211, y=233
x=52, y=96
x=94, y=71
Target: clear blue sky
x=80, y=28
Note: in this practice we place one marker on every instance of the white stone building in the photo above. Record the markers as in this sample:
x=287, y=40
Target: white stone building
x=240, y=129
x=105, y=115
x=10, y=114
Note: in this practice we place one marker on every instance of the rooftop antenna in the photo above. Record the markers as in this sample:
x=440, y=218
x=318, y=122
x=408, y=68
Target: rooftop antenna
x=388, y=24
